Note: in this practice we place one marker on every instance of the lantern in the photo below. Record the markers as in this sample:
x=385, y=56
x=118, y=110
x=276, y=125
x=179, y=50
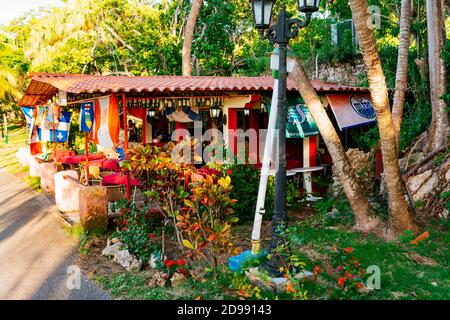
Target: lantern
x=308, y=6
x=262, y=13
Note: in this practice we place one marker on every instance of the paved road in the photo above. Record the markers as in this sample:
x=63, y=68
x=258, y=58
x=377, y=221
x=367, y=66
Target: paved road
x=35, y=251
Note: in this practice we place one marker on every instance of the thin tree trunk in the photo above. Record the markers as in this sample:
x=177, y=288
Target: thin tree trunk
x=398, y=209
x=437, y=135
x=358, y=201
x=402, y=70
x=189, y=37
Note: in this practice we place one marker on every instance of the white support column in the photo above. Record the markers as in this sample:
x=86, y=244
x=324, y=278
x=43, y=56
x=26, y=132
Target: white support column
x=306, y=156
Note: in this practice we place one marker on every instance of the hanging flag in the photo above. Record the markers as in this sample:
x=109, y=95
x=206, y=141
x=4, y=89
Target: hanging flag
x=33, y=138
x=62, y=127
x=106, y=125
x=87, y=116
x=28, y=113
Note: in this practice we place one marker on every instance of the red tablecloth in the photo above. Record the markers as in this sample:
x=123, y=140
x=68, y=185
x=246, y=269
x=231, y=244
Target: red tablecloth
x=119, y=179
x=82, y=158
x=106, y=164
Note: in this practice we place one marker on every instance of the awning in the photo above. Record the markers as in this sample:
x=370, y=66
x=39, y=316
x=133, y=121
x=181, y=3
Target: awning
x=44, y=86
x=299, y=122
x=352, y=110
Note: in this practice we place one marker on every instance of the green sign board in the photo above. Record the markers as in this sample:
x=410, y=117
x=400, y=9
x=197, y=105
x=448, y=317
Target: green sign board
x=299, y=123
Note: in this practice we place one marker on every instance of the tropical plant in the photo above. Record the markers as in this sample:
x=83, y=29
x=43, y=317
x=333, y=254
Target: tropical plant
x=206, y=221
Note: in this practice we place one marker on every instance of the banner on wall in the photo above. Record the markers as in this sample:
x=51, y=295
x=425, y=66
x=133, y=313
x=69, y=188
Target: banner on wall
x=352, y=110
x=299, y=122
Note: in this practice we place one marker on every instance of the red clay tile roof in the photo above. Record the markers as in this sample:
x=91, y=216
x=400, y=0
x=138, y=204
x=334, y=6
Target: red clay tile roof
x=44, y=85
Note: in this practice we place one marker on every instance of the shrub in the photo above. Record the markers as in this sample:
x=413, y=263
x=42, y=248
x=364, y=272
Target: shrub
x=206, y=222
x=136, y=230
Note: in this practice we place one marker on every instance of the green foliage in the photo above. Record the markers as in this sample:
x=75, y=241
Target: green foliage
x=334, y=211
x=368, y=140
x=245, y=180
x=136, y=230
x=406, y=237
x=446, y=196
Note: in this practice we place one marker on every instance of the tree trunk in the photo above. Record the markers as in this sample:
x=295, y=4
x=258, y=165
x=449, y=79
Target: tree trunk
x=437, y=135
x=358, y=201
x=402, y=70
x=398, y=208
x=189, y=36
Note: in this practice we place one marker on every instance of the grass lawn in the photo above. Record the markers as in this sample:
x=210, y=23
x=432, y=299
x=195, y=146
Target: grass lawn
x=17, y=139
x=407, y=271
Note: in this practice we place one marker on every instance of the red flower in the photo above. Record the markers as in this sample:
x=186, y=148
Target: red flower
x=339, y=268
x=359, y=285
x=152, y=236
x=169, y=263
x=230, y=172
x=181, y=262
x=124, y=228
x=341, y=281
x=316, y=270
x=124, y=222
x=348, y=250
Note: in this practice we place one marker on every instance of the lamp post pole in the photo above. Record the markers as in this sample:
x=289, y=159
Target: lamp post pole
x=280, y=217
x=284, y=29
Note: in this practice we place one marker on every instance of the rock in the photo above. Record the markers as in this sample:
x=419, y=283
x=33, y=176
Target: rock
x=155, y=259
x=415, y=182
x=159, y=279
x=112, y=249
x=67, y=191
x=413, y=159
x=177, y=279
x=423, y=184
x=280, y=284
x=127, y=260
x=304, y=275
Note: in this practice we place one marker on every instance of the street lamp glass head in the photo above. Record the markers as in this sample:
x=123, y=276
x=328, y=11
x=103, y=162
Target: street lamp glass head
x=151, y=113
x=308, y=6
x=215, y=112
x=262, y=13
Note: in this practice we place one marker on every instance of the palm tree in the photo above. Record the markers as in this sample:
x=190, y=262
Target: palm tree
x=189, y=36
x=398, y=209
x=402, y=69
x=9, y=86
x=355, y=195
x=438, y=133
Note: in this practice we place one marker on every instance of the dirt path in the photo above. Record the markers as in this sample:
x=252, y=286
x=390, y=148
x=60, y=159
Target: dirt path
x=36, y=255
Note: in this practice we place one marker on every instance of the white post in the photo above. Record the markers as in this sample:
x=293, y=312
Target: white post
x=268, y=148
x=306, y=164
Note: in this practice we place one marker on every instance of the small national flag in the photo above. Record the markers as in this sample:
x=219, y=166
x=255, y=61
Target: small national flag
x=28, y=113
x=87, y=116
x=61, y=132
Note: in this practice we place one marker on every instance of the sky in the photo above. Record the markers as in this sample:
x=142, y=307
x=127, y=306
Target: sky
x=11, y=9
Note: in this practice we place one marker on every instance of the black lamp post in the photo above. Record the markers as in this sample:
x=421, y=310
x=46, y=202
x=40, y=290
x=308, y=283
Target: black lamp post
x=280, y=33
